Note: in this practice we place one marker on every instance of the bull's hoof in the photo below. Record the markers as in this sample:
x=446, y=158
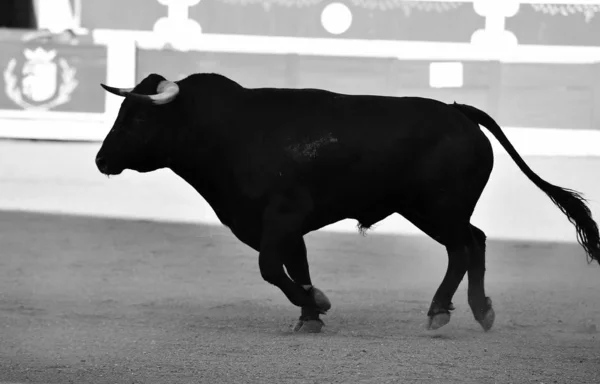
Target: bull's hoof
x=438, y=320
x=309, y=321
x=309, y=326
x=488, y=320
x=322, y=302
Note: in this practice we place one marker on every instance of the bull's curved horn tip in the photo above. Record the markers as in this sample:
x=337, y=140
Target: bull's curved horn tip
x=108, y=88
x=116, y=91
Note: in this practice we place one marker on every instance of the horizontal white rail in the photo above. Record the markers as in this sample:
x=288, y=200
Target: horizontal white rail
x=407, y=50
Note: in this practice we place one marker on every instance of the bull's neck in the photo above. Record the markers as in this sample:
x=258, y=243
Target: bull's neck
x=203, y=169
x=197, y=153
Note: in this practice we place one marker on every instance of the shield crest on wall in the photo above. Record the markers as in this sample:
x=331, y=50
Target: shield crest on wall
x=42, y=81
x=39, y=75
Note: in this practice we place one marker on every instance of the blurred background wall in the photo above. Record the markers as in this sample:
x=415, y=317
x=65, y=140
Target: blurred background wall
x=533, y=65
x=17, y=14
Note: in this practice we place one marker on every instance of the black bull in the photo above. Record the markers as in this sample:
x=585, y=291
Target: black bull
x=275, y=164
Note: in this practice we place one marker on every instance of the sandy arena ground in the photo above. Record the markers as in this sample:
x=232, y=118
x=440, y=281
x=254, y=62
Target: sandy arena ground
x=86, y=300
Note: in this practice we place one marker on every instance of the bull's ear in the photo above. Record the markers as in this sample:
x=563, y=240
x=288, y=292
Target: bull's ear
x=117, y=91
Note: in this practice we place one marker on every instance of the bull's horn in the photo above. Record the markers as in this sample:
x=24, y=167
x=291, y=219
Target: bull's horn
x=117, y=91
x=166, y=92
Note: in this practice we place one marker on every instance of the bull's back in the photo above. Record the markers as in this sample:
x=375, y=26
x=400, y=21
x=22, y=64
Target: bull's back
x=354, y=149
x=354, y=116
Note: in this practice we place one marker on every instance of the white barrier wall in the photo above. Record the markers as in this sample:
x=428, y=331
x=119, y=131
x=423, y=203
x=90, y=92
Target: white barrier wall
x=62, y=178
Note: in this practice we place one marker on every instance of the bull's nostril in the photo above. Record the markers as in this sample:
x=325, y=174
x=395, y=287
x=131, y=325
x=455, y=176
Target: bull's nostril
x=100, y=163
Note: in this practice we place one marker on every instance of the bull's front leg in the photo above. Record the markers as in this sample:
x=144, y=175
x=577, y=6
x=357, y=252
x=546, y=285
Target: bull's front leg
x=282, y=245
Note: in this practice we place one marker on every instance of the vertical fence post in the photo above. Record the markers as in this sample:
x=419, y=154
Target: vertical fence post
x=121, y=65
x=495, y=88
x=595, y=84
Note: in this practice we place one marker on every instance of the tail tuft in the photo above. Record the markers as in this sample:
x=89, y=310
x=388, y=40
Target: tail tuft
x=573, y=205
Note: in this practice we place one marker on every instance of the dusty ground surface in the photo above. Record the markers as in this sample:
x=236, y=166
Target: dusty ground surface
x=106, y=301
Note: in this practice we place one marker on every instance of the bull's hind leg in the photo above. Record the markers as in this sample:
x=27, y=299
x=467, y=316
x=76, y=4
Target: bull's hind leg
x=466, y=253
x=457, y=240
x=458, y=245
x=480, y=304
x=455, y=174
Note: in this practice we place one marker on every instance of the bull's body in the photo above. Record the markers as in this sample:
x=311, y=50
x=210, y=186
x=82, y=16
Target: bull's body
x=275, y=164
x=357, y=157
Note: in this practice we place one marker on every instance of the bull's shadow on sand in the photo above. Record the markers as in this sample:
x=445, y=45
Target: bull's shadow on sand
x=108, y=300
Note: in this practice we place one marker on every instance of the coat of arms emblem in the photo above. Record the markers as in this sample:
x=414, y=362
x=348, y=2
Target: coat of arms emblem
x=42, y=82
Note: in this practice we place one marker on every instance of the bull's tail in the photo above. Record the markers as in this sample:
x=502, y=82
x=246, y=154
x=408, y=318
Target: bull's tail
x=570, y=202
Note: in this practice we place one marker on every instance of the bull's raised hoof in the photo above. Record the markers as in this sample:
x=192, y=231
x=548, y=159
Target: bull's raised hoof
x=309, y=326
x=438, y=320
x=322, y=302
x=487, y=316
x=438, y=317
x=309, y=321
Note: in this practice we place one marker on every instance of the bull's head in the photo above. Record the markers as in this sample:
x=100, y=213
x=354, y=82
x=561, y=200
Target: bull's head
x=141, y=134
